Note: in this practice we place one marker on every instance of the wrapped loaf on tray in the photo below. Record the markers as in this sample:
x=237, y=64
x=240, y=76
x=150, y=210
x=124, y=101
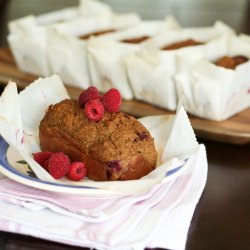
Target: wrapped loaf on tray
x=218, y=87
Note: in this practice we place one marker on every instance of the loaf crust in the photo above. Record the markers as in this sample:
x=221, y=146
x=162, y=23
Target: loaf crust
x=182, y=44
x=231, y=62
x=135, y=40
x=97, y=33
x=118, y=147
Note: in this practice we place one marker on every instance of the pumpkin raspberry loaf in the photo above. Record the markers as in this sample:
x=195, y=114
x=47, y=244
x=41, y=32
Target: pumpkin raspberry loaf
x=117, y=147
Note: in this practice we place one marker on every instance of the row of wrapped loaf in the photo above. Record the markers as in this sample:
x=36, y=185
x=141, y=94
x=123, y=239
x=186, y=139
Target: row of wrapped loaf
x=67, y=42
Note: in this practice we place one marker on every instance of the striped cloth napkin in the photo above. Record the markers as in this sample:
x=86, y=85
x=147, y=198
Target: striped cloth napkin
x=158, y=218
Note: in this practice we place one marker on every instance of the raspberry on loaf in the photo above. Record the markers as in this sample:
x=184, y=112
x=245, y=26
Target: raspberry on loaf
x=117, y=147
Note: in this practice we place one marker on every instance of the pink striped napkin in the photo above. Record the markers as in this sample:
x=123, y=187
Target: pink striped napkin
x=159, y=218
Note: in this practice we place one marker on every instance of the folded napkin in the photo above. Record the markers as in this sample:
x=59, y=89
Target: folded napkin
x=159, y=218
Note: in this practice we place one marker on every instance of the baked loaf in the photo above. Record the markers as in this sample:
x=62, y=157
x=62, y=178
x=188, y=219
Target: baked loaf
x=135, y=40
x=181, y=44
x=118, y=147
x=97, y=33
x=231, y=62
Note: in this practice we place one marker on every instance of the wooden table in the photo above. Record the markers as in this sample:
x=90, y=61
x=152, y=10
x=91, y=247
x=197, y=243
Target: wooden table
x=222, y=217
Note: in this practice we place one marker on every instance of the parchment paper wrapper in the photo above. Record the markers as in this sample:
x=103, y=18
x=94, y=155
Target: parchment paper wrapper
x=174, y=137
x=106, y=65
x=151, y=74
x=245, y=37
x=151, y=71
x=20, y=115
x=67, y=57
x=28, y=43
x=106, y=55
x=62, y=15
x=93, y=8
x=214, y=92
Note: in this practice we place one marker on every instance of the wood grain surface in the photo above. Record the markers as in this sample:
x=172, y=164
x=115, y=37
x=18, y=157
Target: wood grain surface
x=235, y=130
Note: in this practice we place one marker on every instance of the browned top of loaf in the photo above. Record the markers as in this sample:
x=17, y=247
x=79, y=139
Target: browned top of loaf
x=96, y=33
x=116, y=138
x=135, y=39
x=181, y=44
x=231, y=62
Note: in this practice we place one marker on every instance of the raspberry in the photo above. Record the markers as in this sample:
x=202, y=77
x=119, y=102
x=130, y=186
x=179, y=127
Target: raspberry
x=58, y=165
x=143, y=136
x=112, y=100
x=114, y=165
x=42, y=157
x=77, y=171
x=46, y=165
x=94, y=110
x=89, y=94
